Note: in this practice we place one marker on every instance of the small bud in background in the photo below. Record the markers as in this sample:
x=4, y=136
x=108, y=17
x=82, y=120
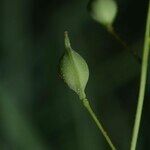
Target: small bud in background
x=103, y=11
x=74, y=69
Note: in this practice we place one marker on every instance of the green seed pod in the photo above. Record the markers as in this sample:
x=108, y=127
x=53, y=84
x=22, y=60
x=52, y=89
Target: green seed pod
x=104, y=11
x=74, y=69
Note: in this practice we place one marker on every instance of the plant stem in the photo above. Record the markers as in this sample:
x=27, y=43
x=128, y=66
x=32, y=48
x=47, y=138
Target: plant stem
x=112, y=31
x=98, y=123
x=142, y=83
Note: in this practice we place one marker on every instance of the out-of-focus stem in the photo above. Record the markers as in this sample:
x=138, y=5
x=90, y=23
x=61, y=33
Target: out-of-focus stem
x=112, y=31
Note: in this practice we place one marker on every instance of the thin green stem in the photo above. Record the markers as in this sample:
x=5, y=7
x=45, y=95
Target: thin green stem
x=142, y=83
x=112, y=31
x=98, y=123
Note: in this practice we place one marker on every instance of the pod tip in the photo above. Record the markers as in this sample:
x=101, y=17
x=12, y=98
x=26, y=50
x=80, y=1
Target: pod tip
x=67, y=40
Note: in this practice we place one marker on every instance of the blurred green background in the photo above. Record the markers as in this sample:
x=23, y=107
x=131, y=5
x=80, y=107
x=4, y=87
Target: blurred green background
x=37, y=110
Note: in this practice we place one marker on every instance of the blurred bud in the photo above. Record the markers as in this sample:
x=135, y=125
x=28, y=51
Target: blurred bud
x=74, y=69
x=103, y=11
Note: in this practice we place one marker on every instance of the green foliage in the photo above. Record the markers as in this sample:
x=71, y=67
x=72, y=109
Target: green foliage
x=36, y=111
